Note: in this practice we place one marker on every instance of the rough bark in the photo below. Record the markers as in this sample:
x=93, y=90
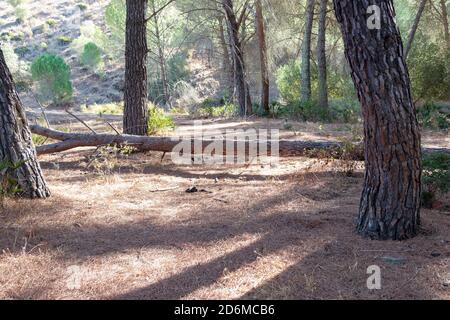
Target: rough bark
x=305, y=89
x=445, y=23
x=261, y=31
x=321, y=57
x=135, y=97
x=390, y=202
x=241, y=86
x=414, y=27
x=16, y=144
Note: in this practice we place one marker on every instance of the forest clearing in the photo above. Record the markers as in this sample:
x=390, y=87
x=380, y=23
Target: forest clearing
x=349, y=173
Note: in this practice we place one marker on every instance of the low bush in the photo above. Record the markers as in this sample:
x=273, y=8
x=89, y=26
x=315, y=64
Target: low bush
x=92, y=57
x=53, y=77
x=436, y=177
x=158, y=121
x=433, y=116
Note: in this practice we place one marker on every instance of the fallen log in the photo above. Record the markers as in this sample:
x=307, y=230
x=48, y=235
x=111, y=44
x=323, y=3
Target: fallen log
x=283, y=148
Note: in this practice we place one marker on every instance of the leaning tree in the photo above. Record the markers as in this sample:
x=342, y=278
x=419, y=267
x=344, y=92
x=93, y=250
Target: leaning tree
x=390, y=202
x=135, y=110
x=16, y=145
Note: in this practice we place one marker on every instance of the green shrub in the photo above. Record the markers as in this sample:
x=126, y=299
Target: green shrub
x=8, y=185
x=106, y=108
x=53, y=77
x=82, y=6
x=429, y=70
x=92, y=57
x=51, y=22
x=288, y=82
x=432, y=116
x=64, y=40
x=435, y=177
x=345, y=111
x=158, y=121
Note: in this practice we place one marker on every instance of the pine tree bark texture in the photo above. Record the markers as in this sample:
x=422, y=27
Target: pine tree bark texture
x=136, y=51
x=261, y=31
x=391, y=196
x=16, y=145
x=241, y=87
x=321, y=57
x=305, y=89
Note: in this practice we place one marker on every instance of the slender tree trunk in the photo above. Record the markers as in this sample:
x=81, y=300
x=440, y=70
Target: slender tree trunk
x=321, y=57
x=241, y=86
x=161, y=56
x=135, y=112
x=415, y=25
x=306, y=53
x=445, y=23
x=16, y=144
x=227, y=66
x=390, y=202
x=261, y=31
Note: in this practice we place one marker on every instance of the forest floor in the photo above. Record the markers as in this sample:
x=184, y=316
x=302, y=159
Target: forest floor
x=125, y=227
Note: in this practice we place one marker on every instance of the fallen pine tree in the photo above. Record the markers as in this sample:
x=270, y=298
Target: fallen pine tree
x=284, y=148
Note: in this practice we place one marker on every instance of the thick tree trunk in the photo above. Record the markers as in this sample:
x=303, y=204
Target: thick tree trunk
x=261, y=31
x=241, y=86
x=135, y=112
x=414, y=27
x=321, y=57
x=390, y=202
x=16, y=145
x=445, y=23
x=305, y=89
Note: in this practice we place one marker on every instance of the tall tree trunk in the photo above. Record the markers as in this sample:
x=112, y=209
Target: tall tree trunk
x=135, y=112
x=227, y=66
x=241, y=86
x=261, y=31
x=16, y=144
x=321, y=57
x=414, y=27
x=390, y=202
x=445, y=23
x=306, y=53
x=161, y=55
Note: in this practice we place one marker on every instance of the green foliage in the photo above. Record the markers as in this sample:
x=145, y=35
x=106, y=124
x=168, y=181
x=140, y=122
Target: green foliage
x=90, y=33
x=82, y=6
x=435, y=178
x=20, y=10
x=38, y=140
x=432, y=116
x=53, y=77
x=430, y=71
x=106, y=108
x=211, y=108
x=8, y=185
x=92, y=57
x=51, y=22
x=288, y=82
x=345, y=111
x=158, y=121
x=18, y=68
x=177, y=71
x=64, y=40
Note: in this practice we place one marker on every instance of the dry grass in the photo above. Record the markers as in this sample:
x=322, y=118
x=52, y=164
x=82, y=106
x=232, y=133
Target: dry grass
x=274, y=232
